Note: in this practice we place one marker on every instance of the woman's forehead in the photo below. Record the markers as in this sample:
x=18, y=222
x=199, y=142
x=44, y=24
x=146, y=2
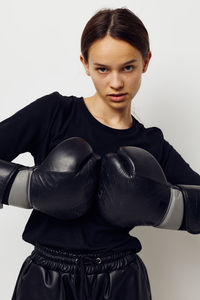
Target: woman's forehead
x=108, y=50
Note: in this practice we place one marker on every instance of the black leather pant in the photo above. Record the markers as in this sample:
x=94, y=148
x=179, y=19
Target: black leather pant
x=50, y=274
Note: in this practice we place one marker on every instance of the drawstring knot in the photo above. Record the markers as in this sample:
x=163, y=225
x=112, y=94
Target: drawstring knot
x=81, y=262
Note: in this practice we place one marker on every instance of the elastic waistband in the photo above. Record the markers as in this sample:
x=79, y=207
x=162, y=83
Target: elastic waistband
x=94, y=262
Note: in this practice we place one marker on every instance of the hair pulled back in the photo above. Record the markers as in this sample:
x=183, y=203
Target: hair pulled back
x=120, y=23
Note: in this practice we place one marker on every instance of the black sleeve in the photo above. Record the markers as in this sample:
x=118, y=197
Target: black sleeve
x=25, y=130
x=177, y=170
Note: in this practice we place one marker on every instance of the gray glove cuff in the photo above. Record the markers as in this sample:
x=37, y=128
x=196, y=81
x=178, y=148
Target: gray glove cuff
x=7, y=171
x=19, y=192
x=174, y=215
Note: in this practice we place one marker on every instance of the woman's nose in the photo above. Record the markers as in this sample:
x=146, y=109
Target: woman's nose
x=116, y=81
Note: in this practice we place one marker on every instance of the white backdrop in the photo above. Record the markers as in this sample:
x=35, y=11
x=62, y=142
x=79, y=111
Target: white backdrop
x=40, y=48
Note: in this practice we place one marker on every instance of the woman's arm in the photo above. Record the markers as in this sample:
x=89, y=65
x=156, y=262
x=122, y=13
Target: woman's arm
x=25, y=130
x=176, y=169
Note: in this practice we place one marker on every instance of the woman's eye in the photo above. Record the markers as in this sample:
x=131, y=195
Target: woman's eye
x=132, y=67
x=101, y=69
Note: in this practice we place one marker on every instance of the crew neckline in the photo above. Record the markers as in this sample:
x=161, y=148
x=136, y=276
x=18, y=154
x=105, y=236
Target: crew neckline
x=105, y=127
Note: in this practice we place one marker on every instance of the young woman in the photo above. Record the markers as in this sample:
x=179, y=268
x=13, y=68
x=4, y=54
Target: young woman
x=78, y=253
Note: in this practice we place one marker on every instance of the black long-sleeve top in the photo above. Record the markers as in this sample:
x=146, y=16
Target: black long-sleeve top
x=38, y=127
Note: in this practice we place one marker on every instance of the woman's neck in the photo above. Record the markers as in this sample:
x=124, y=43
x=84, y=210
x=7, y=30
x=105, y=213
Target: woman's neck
x=115, y=118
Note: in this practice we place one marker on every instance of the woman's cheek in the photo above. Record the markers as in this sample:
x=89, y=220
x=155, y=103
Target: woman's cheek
x=134, y=80
x=99, y=82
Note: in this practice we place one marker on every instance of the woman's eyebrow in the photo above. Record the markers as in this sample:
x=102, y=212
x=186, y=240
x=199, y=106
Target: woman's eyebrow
x=128, y=62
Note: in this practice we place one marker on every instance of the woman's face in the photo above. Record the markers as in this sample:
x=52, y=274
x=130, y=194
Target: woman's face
x=110, y=69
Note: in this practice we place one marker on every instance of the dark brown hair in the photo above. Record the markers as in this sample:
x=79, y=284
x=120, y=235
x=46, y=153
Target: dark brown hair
x=120, y=23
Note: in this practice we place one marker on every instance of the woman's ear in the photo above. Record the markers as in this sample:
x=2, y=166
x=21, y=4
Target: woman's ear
x=84, y=64
x=146, y=61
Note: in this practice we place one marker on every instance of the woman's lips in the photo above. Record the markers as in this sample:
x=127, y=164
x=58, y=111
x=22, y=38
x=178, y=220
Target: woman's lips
x=117, y=98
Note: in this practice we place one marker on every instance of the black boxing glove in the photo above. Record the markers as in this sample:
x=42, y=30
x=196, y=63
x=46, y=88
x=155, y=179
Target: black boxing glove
x=62, y=186
x=133, y=191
